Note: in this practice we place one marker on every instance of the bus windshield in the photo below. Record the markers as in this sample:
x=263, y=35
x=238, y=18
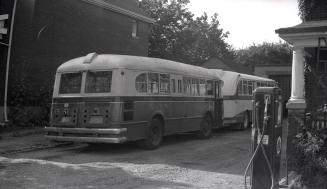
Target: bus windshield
x=70, y=83
x=98, y=82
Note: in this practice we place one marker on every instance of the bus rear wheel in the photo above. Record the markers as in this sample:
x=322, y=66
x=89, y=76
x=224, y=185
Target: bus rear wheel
x=205, y=128
x=153, y=136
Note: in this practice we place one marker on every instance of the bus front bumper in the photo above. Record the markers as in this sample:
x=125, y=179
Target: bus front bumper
x=93, y=135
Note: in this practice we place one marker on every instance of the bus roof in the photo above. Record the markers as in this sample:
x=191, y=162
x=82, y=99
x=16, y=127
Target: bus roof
x=231, y=79
x=111, y=61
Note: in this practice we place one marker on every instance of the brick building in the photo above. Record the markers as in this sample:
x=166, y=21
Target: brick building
x=48, y=32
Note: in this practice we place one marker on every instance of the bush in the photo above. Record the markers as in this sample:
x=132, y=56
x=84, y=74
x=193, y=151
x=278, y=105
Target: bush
x=311, y=157
x=29, y=106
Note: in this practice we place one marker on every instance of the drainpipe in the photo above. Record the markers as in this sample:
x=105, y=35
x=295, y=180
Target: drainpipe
x=8, y=62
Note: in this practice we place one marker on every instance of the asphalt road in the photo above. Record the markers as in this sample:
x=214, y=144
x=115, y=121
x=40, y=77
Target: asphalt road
x=181, y=162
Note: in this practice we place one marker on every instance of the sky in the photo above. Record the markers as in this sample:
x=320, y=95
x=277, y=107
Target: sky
x=249, y=21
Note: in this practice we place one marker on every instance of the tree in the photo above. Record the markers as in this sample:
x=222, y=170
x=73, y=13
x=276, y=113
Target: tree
x=178, y=36
x=265, y=53
x=312, y=9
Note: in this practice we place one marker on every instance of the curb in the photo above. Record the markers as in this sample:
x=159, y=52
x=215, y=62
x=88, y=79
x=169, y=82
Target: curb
x=21, y=133
x=34, y=147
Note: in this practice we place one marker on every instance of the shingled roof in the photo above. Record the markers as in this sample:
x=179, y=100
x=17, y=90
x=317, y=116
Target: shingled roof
x=305, y=27
x=217, y=63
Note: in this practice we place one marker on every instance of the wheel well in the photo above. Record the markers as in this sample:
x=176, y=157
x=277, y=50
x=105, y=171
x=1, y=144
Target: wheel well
x=161, y=118
x=210, y=114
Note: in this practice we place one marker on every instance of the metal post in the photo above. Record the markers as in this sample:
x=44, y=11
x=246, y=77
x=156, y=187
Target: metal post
x=8, y=61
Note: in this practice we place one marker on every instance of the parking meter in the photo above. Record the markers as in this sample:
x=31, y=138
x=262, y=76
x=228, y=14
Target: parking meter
x=266, y=138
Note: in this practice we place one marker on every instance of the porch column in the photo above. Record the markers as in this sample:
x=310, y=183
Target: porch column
x=297, y=100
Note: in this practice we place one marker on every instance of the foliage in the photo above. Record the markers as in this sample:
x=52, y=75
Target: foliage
x=28, y=107
x=308, y=9
x=311, y=157
x=265, y=53
x=178, y=36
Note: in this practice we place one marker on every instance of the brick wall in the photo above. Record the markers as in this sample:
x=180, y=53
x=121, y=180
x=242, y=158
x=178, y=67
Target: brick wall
x=50, y=32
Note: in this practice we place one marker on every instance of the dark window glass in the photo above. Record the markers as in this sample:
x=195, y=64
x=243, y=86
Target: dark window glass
x=173, y=86
x=153, y=83
x=180, y=86
x=98, y=82
x=164, y=83
x=187, y=85
x=70, y=83
x=141, y=83
x=209, y=87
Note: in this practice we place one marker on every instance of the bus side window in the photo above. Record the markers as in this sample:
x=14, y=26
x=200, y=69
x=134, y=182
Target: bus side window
x=239, y=88
x=153, y=83
x=180, y=86
x=173, y=85
x=244, y=87
x=195, y=87
x=250, y=87
x=202, y=87
x=209, y=87
x=141, y=83
x=187, y=85
x=164, y=83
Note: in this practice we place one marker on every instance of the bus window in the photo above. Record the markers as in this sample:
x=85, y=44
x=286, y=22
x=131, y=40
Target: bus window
x=202, y=87
x=239, y=88
x=70, y=83
x=141, y=83
x=173, y=85
x=180, y=86
x=187, y=85
x=250, y=87
x=98, y=82
x=164, y=83
x=195, y=87
x=244, y=88
x=209, y=87
x=153, y=83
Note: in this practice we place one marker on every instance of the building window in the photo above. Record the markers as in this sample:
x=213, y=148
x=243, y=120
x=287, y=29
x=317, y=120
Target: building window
x=134, y=29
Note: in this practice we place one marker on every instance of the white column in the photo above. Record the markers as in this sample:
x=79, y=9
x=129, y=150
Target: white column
x=297, y=100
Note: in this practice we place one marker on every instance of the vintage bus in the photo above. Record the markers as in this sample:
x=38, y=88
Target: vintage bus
x=119, y=98
x=237, y=95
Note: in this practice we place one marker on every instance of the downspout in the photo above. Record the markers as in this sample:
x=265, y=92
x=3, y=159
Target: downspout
x=8, y=62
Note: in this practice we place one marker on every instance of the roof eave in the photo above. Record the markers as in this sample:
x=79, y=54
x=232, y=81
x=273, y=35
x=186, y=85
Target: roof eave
x=120, y=10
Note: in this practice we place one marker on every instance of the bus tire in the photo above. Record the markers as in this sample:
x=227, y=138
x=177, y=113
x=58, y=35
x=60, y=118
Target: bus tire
x=245, y=121
x=205, y=127
x=153, y=135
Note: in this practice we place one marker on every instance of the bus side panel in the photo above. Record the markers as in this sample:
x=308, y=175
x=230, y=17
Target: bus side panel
x=175, y=117
x=172, y=112
x=233, y=108
x=195, y=111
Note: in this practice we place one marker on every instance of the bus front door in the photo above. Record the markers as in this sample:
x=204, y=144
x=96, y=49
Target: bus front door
x=218, y=105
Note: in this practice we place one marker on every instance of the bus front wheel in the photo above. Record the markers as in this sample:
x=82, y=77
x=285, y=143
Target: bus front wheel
x=153, y=136
x=205, y=128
